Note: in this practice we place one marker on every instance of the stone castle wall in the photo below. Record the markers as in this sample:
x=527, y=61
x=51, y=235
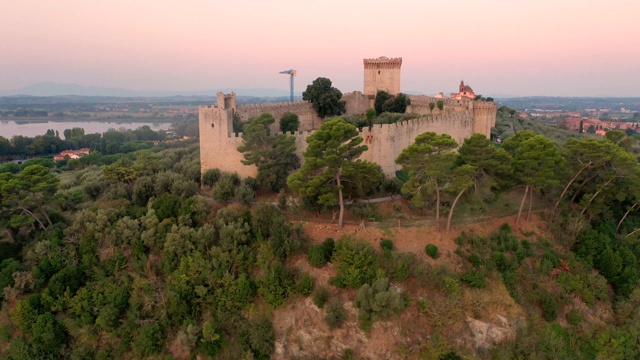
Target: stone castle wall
x=458, y=118
x=218, y=144
x=308, y=117
x=356, y=103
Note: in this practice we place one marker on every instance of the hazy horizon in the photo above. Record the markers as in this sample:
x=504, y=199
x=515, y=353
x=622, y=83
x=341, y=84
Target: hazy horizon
x=559, y=48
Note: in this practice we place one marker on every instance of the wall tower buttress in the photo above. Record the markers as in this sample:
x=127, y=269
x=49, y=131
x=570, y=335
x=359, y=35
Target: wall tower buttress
x=382, y=74
x=218, y=142
x=484, y=117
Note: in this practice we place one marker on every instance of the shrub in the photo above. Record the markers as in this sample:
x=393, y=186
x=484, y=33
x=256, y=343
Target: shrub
x=573, y=283
x=320, y=297
x=211, y=176
x=166, y=206
x=148, y=339
x=549, y=305
x=402, y=264
x=474, y=278
x=451, y=355
x=265, y=219
x=276, y=285
x=251, y=182
x=244, y=194
x=364, y=210
x=282, y=200
x=423, y=305
x=386, y=244
x=210, y=342
x=377, y=301
x=304, y=285
x=440, y=104
x=224, y=188
x=574, y=317
x=451, y=286
x=336, y=314
x=397, y=266
x=258, y=336
x=355, y=262
x=432, y=251
x=328, y=245
x=474, y=259
x=316, y=256
x=48, y=337
x=348, y=353
x=392, y=187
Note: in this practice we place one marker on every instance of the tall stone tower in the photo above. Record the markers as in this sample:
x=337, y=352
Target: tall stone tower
x=382, y=73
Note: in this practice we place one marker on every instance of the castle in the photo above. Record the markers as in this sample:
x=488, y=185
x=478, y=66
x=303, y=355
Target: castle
x=459, y=117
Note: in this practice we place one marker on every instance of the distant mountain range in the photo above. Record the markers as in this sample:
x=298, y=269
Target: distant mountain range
x=56, y=89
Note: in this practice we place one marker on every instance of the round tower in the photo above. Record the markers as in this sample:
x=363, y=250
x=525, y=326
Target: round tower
x=382, y=73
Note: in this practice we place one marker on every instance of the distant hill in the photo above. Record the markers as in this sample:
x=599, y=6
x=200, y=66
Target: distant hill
x=57, y=89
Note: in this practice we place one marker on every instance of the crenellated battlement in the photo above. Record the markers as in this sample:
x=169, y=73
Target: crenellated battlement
x=487, y=105
x=382, y=63
x=272, y=105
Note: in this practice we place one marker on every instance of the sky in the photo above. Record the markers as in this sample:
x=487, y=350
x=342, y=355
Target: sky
x=499, y=47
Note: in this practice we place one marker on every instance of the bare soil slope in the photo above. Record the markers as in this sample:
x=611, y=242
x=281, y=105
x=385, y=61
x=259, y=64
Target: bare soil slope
x=421, y=330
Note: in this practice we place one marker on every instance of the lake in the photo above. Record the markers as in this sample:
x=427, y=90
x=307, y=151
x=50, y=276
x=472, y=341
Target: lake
x=10, y=128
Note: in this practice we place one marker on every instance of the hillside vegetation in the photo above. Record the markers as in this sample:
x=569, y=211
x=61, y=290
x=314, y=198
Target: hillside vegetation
x=136, y=254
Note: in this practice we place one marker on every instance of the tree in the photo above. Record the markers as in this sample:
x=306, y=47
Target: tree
x=258, y=336
x=585, y=159
x=493, y=165
x=274, y=156
x=621, y=139
x=237, y=124
x=25, y=195
x=48, y=336
x=289, y=122
x=325, y=98
x=73, y=133
x=620, y=173
x=427, y=161
x=460, y=180
x=381, y=98
x=5, y=147
x=330, y=162
x=535, y=164
x=388, y=103
x=120, y=171
x=396, y=104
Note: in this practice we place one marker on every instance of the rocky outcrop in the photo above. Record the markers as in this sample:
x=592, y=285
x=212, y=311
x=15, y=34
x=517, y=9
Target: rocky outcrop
x=487, y=334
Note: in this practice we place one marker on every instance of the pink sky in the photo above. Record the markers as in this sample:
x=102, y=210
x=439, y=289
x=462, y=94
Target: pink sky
x=542, y=47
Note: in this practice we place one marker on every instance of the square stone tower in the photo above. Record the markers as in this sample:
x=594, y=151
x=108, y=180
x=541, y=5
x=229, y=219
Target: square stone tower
x=382, y=73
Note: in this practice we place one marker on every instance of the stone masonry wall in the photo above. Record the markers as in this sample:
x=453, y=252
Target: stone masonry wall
x=459, y=118
x=385, y=141
x=308, y=117
x=356, y=103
